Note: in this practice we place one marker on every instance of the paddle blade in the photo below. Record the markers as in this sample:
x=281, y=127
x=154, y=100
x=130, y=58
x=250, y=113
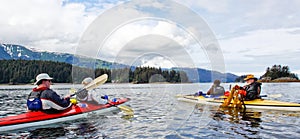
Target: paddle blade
x=275, y=95
x=272, y=95
x=126, y=109
x=96, y=82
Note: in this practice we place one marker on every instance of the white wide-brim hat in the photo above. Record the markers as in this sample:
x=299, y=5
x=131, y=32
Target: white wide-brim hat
x=86, y=81
x=42, y=76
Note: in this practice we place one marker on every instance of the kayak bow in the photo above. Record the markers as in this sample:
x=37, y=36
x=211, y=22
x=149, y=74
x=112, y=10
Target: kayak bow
x=39, y=118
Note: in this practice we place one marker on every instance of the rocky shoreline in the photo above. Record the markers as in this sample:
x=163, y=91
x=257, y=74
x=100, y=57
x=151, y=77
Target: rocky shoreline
x=282, y=79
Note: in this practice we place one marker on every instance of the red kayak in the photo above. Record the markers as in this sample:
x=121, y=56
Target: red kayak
x=38, y=118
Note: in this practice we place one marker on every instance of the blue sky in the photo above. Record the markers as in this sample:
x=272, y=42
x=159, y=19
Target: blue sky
x=252, y=35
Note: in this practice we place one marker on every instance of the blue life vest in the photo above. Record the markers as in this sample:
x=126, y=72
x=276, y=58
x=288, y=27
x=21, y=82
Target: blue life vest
x=35, y=103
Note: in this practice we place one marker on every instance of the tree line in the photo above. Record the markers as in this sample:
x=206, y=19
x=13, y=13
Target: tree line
x=278, y=71
x=147, y=75
x=25, y=71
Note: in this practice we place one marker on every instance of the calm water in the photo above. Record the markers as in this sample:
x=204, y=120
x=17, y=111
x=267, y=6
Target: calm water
x=158, y=114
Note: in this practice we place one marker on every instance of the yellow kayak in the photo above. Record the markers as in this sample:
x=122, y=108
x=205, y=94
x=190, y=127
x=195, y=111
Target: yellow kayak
x=257, y=103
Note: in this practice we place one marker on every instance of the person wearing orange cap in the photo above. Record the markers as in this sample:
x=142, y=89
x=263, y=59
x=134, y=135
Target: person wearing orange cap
x=252, y=87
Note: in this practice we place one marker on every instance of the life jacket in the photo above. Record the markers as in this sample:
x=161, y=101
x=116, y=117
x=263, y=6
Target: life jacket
x=252, y=91
x=34, y=102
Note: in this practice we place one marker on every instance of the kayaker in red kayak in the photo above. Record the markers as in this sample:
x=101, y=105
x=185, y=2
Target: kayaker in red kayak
x=216, y=89
x=91, y=96
x=50, y=100
x=252, y=88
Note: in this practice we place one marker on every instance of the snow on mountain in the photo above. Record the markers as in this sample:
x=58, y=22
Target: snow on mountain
x=12, y=51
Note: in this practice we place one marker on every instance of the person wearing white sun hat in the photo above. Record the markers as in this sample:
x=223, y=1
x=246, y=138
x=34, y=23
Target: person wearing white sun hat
x=91, y=96
x=50, y=100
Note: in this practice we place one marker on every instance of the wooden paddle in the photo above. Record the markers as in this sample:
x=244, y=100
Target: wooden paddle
x=99, y=81
x=94, y=84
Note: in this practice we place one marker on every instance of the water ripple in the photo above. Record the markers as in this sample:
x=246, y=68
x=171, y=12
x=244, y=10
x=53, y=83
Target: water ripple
x=158, y=114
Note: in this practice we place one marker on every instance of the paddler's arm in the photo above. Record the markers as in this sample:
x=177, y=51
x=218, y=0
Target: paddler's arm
x=63, y=102
x=258, y=91
x=209, y=91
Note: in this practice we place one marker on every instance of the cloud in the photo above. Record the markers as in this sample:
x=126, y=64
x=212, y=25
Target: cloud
x=52, y=25
x=252, y=34
x=215, y=6
x=116, y=28
x=257, y=50
x=239, y=17
x=157, y=43
x=58, y=25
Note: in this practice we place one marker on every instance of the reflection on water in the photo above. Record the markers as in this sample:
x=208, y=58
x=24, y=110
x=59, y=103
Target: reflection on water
x=49, y=132
x=233, y=122
x=235, y=115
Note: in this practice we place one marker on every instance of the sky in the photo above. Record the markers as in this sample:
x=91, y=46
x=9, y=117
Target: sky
x=252, y=35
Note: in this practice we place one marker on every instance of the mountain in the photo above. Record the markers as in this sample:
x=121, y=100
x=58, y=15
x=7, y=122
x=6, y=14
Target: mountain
x=203, y=75
x=11, y=51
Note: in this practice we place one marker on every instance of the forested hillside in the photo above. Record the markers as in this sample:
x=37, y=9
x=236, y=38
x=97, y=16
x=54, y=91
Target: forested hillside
x=19, y=52
x=25, y=71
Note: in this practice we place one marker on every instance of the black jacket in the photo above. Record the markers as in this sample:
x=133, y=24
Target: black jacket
x=252, y=90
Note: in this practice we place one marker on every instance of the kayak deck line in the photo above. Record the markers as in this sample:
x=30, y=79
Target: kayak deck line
x=264, y=104
x=37, y=118
x=258, y=103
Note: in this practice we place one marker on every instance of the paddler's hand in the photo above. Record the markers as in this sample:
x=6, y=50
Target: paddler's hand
x=67, y=96
x=72, y=91
x=236, y=87
x=104, y=97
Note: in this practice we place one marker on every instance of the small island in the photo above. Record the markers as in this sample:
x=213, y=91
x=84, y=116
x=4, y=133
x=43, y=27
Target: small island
x=276, y=73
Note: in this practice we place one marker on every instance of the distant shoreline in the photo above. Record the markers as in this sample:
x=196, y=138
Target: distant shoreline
x=285, y=81
x=290, y=81
x=32, y=84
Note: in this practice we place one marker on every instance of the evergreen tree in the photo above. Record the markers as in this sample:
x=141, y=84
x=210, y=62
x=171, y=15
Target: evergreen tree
x=278, y=71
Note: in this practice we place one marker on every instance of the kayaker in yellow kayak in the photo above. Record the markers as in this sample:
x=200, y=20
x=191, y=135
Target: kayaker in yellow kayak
x=44, y=98
x=252, y=88
x=216, y=89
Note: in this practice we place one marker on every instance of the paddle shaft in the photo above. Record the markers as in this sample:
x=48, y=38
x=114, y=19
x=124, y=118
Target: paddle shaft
x=95, y=83
x=272, y=95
